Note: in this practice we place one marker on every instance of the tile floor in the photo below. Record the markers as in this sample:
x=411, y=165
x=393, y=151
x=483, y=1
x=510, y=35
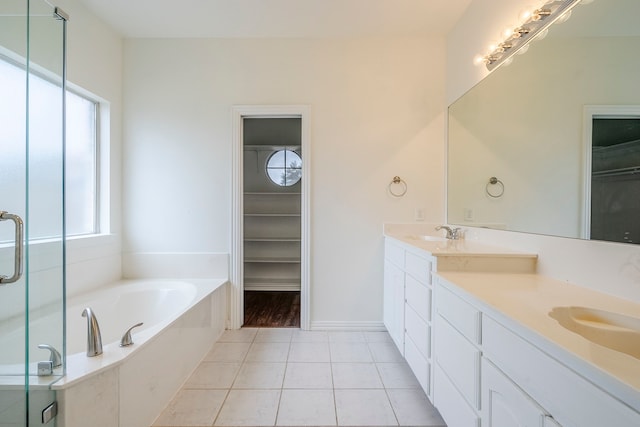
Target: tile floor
x=290, y=377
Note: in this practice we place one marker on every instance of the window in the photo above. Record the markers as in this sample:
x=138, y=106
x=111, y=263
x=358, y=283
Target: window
x=284, y=168
x=45, y=177
x=81, y=171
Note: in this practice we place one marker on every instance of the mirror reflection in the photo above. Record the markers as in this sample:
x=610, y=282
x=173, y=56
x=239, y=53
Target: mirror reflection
x=556, y=134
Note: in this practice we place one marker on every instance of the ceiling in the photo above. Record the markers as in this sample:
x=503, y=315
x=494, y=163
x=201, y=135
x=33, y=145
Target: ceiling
x=278, y=18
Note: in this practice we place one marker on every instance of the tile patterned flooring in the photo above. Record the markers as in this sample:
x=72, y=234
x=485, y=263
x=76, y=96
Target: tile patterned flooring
x=290, y=377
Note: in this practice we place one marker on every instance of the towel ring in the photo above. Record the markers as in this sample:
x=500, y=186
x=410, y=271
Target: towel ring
x=495, y=181
x=399, y=192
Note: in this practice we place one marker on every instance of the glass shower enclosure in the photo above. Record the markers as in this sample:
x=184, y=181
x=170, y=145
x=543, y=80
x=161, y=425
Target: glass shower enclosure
x=32, y=229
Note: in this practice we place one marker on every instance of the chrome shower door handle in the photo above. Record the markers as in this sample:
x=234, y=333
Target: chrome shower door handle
x=19, y=246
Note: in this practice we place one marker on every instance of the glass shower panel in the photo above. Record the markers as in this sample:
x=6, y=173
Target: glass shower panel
x=31, y=187
x=13, y=46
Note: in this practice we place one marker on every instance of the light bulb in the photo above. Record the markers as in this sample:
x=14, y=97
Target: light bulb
x=564, y=18
x=507, y=61
x=523, y=49
x=479, y=60
x=525, y=16
x=542, y=34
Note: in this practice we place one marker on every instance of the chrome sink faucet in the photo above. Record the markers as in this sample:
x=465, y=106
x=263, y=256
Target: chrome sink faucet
x=452, y=233
x=94, y=339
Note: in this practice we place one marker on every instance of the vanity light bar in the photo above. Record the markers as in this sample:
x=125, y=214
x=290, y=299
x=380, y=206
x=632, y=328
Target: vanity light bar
x=536, y=22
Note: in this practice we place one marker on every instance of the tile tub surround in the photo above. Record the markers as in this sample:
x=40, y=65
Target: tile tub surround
x=290, y=377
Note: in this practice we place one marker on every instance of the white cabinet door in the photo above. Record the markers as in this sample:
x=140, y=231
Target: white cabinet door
x=387, y=307
x=398, y=311
x=393, y=309
x=504, y=404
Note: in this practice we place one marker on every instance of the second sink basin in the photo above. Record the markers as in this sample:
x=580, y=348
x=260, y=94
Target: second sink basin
x=612, y=330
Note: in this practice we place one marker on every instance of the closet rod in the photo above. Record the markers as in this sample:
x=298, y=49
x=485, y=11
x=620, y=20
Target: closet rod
x=271, y=147
x=632, y=170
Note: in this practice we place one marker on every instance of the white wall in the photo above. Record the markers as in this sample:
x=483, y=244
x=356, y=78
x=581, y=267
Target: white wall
x=94, y=63
x=608, y=267
x=377, y=111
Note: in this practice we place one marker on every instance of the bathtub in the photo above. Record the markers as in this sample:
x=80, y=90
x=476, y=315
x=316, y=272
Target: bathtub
x=130, y=386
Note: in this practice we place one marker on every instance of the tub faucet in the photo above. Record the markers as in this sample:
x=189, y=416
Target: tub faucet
x=94, y=339
x=54, y=357
x=452, y=233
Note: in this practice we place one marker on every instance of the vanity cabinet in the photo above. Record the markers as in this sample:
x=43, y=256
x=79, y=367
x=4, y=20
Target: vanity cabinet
x=486, y=374
x=407, y=306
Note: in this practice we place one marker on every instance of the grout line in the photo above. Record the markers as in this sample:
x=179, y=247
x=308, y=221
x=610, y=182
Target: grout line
x=333, y=385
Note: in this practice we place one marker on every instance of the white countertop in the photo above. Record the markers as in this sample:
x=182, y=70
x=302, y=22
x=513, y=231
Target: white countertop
x=461, y=247
x=524, y=300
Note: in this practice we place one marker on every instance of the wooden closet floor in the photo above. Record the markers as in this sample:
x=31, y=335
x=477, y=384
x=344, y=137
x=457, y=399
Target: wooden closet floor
x=272, y=309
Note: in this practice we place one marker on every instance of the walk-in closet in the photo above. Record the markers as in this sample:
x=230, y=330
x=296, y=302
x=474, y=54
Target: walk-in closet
x=615, y=179
x=272, y=175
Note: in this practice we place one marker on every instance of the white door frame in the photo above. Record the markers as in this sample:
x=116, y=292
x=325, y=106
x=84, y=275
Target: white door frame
x=236, y=301
x=591, y=112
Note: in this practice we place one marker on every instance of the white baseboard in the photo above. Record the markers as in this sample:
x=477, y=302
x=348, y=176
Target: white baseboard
x=330, y=325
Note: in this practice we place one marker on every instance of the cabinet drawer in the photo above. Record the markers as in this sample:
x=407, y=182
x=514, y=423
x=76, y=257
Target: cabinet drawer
x=418, y=267
x=418, y=364
x=394, y=253
x=453, y=408
x=418, y=330
x=462, y=315
x=570, y=398
x=459, y=359
x=418, y=297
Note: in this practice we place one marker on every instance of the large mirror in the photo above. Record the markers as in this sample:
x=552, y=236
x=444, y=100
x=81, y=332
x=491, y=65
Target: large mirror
x=550, y=143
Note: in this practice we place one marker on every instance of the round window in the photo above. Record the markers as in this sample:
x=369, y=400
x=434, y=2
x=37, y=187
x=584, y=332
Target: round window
x=284, y=168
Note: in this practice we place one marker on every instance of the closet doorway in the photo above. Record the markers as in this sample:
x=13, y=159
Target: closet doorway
x=613, y=144
x=272, y=149
x=270, y=255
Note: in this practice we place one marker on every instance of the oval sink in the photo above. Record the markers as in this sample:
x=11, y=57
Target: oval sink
x=427, y=238
x=612, y=330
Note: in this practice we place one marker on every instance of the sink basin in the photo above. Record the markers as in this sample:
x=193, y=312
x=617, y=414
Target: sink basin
x=427, y=238
x=612, y=330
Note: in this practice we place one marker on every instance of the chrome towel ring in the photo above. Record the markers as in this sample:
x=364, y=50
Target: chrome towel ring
x=496, y=193
x=394, y=190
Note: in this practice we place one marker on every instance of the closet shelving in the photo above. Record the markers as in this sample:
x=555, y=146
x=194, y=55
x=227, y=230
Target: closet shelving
x=272, y=240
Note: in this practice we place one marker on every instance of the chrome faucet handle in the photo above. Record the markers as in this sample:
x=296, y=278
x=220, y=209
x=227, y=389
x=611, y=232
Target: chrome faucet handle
x=452, y=233
x=448, y=229
x=456, y=233
x=55, y=358
x=126, y=338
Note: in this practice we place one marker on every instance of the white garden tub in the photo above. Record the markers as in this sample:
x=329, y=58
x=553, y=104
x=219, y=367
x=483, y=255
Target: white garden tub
x=129, y=386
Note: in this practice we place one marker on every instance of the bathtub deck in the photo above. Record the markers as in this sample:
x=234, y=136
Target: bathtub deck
x=285, y=376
